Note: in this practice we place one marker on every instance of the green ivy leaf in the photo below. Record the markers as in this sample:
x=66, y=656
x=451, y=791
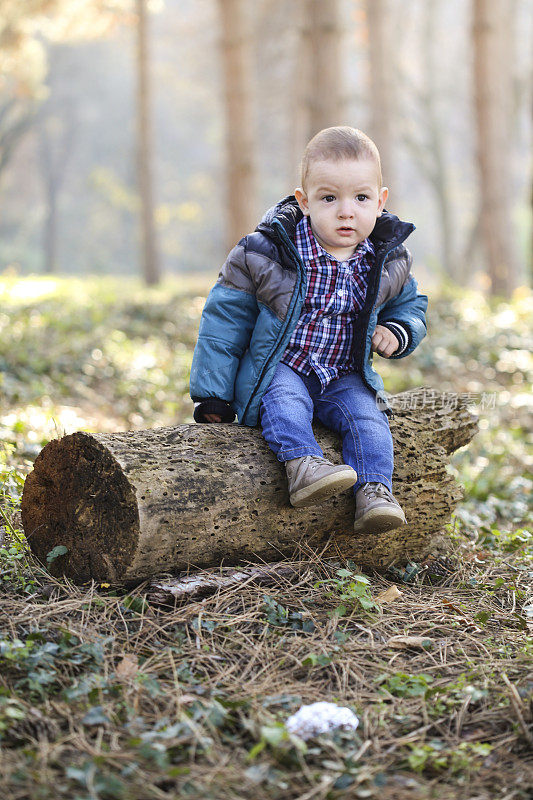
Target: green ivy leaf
x=274, y=734
x=57, y=551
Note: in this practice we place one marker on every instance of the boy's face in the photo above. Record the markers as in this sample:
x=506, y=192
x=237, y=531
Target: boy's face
x=342, y=200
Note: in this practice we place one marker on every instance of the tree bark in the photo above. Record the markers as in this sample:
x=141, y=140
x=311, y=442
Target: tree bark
x=380, y=57
x=240, y=156
x=56, y=134
x=318, y=86
x=50, y=221
x=128, y=506
x=299, y=91
x=493, y=57
x=150, y=259
x=54, y=158
x=439, y=175
x=326, y=87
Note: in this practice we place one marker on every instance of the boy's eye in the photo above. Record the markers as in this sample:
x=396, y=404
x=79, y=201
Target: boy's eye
x=329, y=198
x=362, y=197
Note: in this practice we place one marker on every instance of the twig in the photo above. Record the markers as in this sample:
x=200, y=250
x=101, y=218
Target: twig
x=516, y=702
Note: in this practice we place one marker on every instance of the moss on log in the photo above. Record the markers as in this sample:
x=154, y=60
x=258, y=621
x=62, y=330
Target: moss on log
x=132, y=505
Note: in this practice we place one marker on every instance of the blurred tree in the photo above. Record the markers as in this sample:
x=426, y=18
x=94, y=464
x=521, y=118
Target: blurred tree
x=276, y=34
x=318, y=88
x=240, y=156
x=16, y=118
x=25, y=27
x=25, y=30
x=22, y=71
x=381, y=68
x=56, y=128
x=55, y=138
x=301, y=87
x=436, y=166
x=326, y=86
x=320, y=66
x=492, y=27
x=424, y=132
x=150, y=259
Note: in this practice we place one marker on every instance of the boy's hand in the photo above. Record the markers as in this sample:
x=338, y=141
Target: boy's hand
x=212, y=418
x=212, y=409
x=384, y=342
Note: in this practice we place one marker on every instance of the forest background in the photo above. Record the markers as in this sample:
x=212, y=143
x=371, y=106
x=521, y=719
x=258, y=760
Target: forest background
x=261, y=77
x=138, y=142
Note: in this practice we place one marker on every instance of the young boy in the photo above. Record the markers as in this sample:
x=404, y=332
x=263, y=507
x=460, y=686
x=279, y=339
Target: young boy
x=289, y=330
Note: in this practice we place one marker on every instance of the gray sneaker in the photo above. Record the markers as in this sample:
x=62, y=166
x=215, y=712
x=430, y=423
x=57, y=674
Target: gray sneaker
x=313, y=479
x=376, y=509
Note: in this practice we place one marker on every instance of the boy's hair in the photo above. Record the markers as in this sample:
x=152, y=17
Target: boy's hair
x=338, y=143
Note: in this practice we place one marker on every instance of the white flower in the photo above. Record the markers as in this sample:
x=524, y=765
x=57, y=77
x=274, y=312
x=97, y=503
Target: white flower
x=318, y=718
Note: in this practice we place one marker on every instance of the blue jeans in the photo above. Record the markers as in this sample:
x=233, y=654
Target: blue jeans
x=346, y=406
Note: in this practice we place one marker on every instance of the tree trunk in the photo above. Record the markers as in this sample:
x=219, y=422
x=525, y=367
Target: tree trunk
x=317, y=88
x=326, y=87
x=380, y=52
x=51, y=183
x=128, y=506
x=55, y=143
x=16, y=118
x=436, y=138
x=50, y=230
x=240, y=160
x=493, y=58
x=299, y=91
x=150, y=260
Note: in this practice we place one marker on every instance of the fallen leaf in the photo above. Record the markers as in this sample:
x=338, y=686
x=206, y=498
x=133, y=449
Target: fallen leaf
x=453, y=606
x=127, y=668
x=389, y=595
x=404, y=642
x=478, y=555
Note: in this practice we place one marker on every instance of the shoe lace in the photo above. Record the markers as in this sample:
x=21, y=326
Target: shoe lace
x=311, y=463
x=374, y=490
x=314, y=462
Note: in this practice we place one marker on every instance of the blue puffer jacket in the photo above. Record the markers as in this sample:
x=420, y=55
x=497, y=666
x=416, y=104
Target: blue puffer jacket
x=252, y=310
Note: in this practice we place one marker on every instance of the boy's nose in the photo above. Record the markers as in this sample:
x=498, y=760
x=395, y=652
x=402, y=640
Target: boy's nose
x=346, y=210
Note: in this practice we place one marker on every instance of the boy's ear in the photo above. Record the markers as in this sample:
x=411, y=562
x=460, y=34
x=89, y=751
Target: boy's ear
x=303, y=202
x=383, y=195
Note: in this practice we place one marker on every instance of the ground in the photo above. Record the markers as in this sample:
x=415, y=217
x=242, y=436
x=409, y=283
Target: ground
x=107, y=694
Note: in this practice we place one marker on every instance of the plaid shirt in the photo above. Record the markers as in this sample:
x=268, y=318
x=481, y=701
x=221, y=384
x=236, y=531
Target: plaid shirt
x=336, y=290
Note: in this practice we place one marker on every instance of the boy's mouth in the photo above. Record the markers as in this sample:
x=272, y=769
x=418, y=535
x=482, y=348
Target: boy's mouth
x=345, y=229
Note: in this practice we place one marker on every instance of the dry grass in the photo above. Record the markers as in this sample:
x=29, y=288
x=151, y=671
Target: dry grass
x=180, y=696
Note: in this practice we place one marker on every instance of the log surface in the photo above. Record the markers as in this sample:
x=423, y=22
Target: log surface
x=129, y=506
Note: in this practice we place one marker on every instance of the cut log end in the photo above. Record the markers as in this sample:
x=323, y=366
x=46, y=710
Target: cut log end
x=91, y=510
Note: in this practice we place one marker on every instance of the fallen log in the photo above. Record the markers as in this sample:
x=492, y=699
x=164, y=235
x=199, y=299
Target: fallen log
x=129, y=506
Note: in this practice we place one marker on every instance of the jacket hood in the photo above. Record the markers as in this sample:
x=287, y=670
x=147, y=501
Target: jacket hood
x=388, y=227
x=286, y=212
